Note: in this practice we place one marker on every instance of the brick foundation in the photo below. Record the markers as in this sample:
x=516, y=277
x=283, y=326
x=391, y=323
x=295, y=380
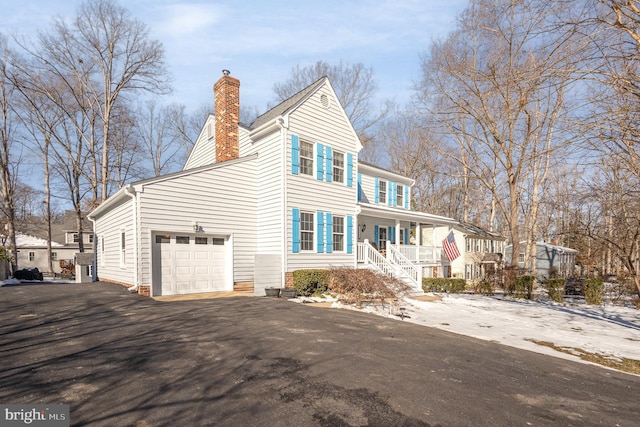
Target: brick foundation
x=288, y=279
x=145, y=291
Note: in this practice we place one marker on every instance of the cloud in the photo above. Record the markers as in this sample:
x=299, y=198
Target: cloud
x=183, y=19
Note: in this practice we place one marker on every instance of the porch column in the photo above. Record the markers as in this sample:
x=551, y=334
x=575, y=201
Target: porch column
x=398, y=231
x=418, y=234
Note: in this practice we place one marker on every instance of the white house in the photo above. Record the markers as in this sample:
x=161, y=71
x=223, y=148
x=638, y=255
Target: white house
x=480, y=251
x=31, y=244
x=255, y=203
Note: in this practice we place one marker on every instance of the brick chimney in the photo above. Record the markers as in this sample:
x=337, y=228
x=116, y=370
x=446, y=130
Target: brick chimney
x=226, y=98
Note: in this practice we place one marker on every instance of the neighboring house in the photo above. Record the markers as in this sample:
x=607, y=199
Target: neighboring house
x=480, y=251
x=548, y=257
x=31, y=244
x=255, y=203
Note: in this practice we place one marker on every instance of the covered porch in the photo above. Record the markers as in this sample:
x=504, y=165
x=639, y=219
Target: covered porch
x=400, y=242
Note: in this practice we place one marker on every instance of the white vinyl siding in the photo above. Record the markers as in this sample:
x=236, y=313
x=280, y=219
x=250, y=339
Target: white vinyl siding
x=329, y=127
x=221, y=200
x=204, y=150
x=109, y=228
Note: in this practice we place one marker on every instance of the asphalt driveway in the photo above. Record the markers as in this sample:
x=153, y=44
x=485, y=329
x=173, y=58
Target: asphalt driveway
x=123, y=360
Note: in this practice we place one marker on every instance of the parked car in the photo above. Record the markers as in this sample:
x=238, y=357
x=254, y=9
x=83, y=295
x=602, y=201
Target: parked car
x=28, y=274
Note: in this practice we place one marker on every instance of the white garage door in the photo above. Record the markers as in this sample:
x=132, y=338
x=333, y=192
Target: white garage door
x=187, y=264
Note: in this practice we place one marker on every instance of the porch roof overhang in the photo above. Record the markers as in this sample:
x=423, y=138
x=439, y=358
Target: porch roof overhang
x=387, y=212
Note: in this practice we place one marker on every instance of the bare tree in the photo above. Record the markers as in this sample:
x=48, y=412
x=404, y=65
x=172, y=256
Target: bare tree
x=157, y=134
x=355, y=87
x=106, y=53
x=9, y=152
x=501, y=80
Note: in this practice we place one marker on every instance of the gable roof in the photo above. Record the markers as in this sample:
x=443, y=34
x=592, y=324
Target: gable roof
x=287, y=105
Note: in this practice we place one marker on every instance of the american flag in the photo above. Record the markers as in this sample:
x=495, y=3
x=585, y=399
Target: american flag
x=450, y=247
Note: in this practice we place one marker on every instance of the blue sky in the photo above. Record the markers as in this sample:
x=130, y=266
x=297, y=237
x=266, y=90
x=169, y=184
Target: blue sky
x=261, y=41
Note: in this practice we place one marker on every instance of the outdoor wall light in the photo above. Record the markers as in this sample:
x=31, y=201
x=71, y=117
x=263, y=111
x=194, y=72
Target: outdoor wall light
x=196, y=227
x=363, y=227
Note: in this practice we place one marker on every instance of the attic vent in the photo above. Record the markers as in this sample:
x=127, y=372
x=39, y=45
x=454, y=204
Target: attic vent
x=324, y=99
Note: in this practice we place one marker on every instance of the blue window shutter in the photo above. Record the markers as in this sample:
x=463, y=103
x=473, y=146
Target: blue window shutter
x=377, y=191
x=349, y=170
x=406, y=197
x=391, y=234
x=295, y=230
x=406, y=236
x=329, y=161
x=376, y=234
x=320, y=232
x=349, y=234
x=359, y=187
x=319, y=161
x=295, y=155
x=329, y=224
x=394, y=193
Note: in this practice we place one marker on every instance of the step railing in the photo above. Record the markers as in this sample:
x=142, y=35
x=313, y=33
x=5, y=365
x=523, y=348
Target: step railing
x=369, y=255
x=404, y=266
x=392, y=264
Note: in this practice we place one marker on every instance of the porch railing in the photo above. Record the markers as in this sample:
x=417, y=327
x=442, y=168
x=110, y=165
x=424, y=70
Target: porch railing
x=420, y=254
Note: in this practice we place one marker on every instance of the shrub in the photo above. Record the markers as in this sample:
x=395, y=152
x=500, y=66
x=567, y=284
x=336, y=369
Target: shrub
x=357, y=285
x=509, y=284
x=443, y=284
x=555, y=287
x=484, y=287
x=523, y=287
x=309, y=282
x=593, y=291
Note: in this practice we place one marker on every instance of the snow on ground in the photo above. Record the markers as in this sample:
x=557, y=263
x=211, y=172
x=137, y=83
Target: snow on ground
x=607, y=330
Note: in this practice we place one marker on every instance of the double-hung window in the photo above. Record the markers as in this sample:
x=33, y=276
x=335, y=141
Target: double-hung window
x=306, y=231
x=382, y=191
x=32, y=256
x=338, y=166
x=306, y=158
x=399, y=195
x=338, y=234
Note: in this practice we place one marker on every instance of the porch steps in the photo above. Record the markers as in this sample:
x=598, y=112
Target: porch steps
x=247, y=287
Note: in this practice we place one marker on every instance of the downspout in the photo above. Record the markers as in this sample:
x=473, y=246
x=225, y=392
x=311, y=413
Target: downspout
x=94, y=270
x=131, y=192
x=283, y=184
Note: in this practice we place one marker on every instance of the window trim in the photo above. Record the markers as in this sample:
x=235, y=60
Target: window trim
x=400, y=195
x=123, y=248
x=382, y=193
x=305, y=163
x=338, y=237
x=307, y=219
x=337, y=168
